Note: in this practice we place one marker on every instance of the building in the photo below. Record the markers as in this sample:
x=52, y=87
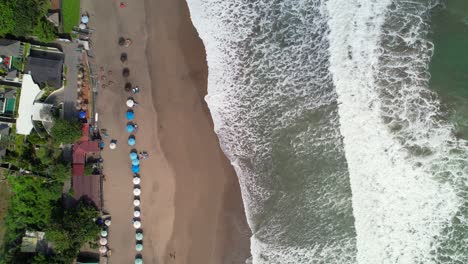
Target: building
x=46, y=67
x=33, y=241
x=29, y=110
x=11, y=59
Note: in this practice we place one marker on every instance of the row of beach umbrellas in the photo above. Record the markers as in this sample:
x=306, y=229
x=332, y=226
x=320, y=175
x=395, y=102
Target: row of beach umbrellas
x=135, y=162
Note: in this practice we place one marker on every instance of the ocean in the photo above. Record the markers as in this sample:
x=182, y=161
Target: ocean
x=346, y=123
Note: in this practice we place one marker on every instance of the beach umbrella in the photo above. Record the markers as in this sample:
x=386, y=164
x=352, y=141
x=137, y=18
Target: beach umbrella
x=139, y=247
x=133, y=155
x=130, y=115
x=136, y=180
x=107, y=222
x=138, y=261
x=103, y=249
x=136, y=191
x=123, y=57
x=130, y=128
x=104, y=233
x=112, y=145
x=135, y=162
x=82, y=114
x=130, y=103
x=103, y=241
x=136, y=213
x=131, y=141
x=84, y=19
x=135, y=169
x=139, y=236
x=136, y=224
x=82, y=26
x=136, y=202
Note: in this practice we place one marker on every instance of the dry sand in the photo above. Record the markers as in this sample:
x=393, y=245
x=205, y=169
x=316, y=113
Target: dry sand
x=191, y=202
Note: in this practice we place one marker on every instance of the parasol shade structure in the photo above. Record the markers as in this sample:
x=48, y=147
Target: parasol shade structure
x=136, y=202
x=139, y=247
x=130, y=115
x=135, y=162
x=82, y=26
x=136, y=180
x=85, y=19
x=130, y=128
x=139, y=236
x=107, y=222
x=82, y=114
x=130, y=103
x=104, y=233
x=138, y=261
x=133, y=155
x=112, y=145
x=136, y=169
x=103, y=249
x=131, y=141
x=103, y=241
x=136, y=224
x=126, y=72
x=136, y=214
x=136, y=191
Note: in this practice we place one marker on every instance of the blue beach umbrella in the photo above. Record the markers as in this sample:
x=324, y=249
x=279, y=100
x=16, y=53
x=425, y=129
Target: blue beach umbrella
x=82, y=114
x=135, y=169
x=133, y=155
x=130, y=128
x=135, y=162
x=130, y=115
x=131, y=141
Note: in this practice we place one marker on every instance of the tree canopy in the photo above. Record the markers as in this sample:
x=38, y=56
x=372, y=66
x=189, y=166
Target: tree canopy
x=66, y=132
x=26, y=17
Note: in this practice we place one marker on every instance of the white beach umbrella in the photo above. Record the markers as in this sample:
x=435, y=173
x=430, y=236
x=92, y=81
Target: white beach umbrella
x=136, y=191
x=136, y=180
x=112, y=145
x=136, y=213
x=107, y=222
x=104, y=233
x=103, y=241
x=82, y=26
x=130, y=103
x=103, y=249
x=136, y=202
x=136, y=224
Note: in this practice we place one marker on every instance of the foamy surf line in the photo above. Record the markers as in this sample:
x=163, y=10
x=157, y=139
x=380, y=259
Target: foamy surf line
x=400, y=207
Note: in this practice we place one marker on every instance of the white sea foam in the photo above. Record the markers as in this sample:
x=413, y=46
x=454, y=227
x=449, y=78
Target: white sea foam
x=401, y=202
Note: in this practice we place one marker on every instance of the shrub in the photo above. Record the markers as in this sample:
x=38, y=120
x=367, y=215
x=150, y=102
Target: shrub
x=66, y=132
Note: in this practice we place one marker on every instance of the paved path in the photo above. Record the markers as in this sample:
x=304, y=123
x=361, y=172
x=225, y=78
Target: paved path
x=72, y=61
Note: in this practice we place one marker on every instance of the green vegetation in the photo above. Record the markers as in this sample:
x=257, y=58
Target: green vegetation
x=66, y=132
x=36, y=203
x=45, y=31
x=70, y=14
x=5, y=195
x=26, y=18
x=17, y=63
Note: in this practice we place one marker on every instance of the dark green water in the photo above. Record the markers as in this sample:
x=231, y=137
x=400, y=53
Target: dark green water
x=449, y=66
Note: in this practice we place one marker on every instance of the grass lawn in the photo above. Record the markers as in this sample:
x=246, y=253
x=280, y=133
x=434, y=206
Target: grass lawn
x=5, y=194
x=70, y=14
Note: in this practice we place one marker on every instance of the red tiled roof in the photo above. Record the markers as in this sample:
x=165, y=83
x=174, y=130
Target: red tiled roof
x=85, y=132
x=78, y=170
x=79, y=155
x=89, y=187
x=54, y=4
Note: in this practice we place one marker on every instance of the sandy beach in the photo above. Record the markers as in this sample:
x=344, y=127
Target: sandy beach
x=191, y=205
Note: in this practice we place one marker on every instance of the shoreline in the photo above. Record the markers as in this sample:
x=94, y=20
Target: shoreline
x=191, y=203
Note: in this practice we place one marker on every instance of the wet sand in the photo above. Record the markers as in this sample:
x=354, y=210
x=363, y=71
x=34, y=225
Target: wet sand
x=191, y=203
